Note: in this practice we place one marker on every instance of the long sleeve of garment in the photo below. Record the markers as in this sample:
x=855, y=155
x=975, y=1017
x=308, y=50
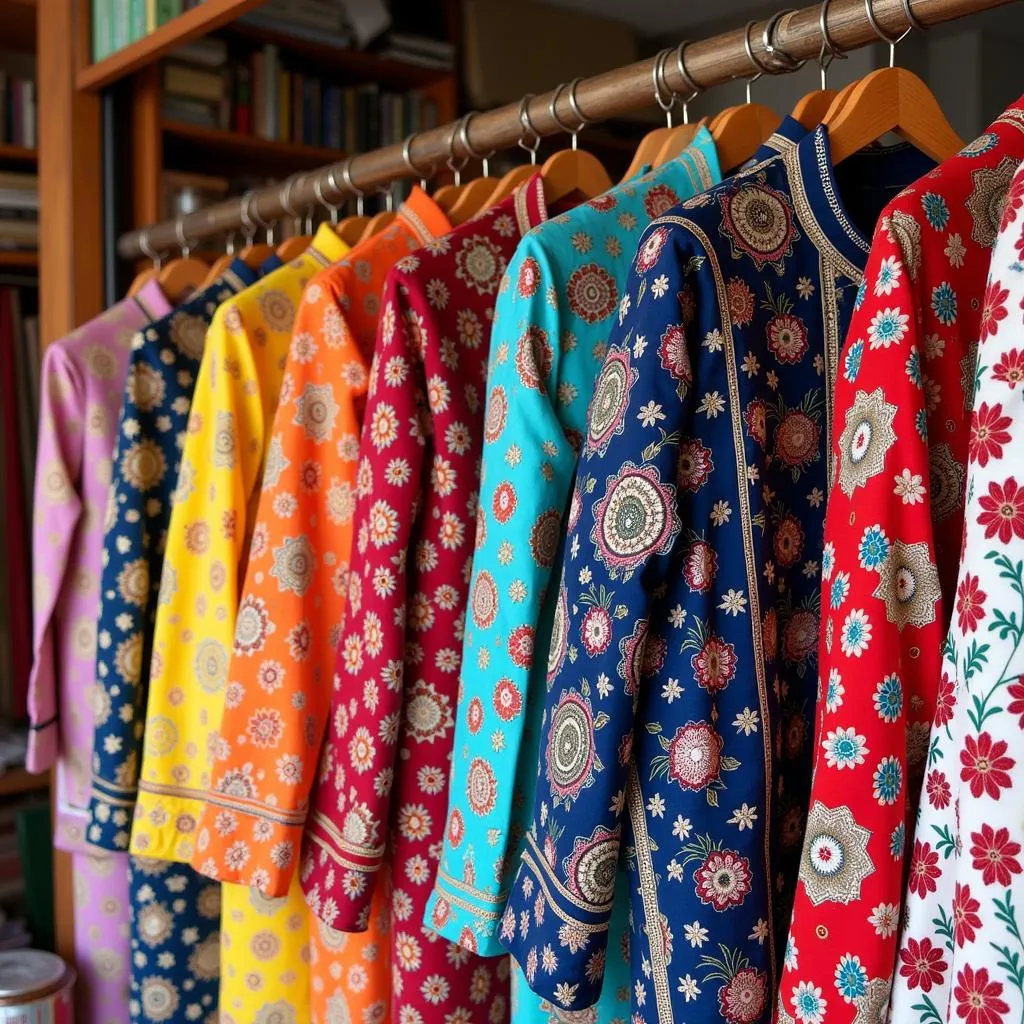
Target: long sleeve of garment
x=960, y=945
x=278, y=691
x=563, y=286
x=161, y=377
x=892, y=542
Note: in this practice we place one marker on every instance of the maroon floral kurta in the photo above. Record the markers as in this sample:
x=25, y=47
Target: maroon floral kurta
x=384, y=774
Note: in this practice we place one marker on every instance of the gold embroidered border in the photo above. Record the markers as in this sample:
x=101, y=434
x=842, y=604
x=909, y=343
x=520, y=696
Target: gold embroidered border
x=230, y=278
x=341, y=861
x=569, y=897
x=371, y=852
x=451, y=897
x=252, y=807
x=416, y=223
x=542, y=879
x=649, y=897
x=830, y=318
x=500, y=897
x=319, y=256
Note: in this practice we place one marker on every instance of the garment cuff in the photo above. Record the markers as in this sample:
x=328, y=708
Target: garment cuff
x=465, y=915
x=338, y=876
x=248, y=844
x=559, y=939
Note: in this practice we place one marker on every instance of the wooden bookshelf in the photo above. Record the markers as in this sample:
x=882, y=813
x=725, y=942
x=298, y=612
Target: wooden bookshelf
x=269, y=155
x=18, y=259
x=18, y=782
x=17, y=154
x=200, y=21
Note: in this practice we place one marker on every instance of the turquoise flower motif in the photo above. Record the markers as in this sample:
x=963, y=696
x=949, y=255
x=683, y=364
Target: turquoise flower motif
x=834, y=692
x=840, y=590
x=944, y=304
x=921, y=424
x=851, y=978
x=914, y=367
x=874, y=548
x=935, y=210
x=897, y=841
x=861, y=291
x=887, y=781
x=889, y=698
x=851, y=364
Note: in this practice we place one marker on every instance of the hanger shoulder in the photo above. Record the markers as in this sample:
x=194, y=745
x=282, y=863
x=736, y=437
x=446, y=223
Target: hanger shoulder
x=891, y=99
x=378, y=222
x=574, y=170
x=181, y=277
x=472, y=199
x=140, y=281
x=739, y=132
x=292, y=248
x=446, y=196
x=351, y=229
x=510, y=182
x=810, y=110
x=647, y=152
x=678, y=139
x=255, y=255
x=217, y=267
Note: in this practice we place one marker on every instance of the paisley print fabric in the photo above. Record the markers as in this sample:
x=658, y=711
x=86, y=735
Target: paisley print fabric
x=563, y=284
x=225, y=450
x=959, y=954
x=682, y=656
x=384, y=773
x=889, y=573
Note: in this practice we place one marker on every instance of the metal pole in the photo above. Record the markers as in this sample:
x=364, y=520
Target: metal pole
x=709, y=62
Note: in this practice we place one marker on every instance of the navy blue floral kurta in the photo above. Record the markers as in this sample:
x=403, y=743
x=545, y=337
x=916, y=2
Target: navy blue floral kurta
x=682, y=668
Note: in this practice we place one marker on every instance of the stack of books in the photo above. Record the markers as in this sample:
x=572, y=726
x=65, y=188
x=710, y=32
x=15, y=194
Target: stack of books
x=319, y=21
x=18, y=99
x=19, y=211
x=197, y=84
x=117, y=23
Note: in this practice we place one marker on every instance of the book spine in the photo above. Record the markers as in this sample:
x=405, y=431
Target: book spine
x=351, y=123
x=243, y=100
x=298, y=109
x=258, y=93
x=270, y=91
x=138, y=17
x=151, y=17
x=167, y=10
x=15, y=132
x=30, y=115
x=318, y=113
x=98, y=32
x=284, y=106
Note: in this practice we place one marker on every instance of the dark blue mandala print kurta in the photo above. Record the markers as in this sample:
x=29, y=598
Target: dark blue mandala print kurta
x=682, y=670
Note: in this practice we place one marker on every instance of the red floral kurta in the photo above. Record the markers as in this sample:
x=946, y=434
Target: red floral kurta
x=893, y=533
x=384, y=775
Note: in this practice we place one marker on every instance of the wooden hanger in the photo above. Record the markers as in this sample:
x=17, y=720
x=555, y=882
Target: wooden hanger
x=891, y=99
x=181, y=277
x=292, y=248
x=572, y=171
x=650, y=145
x=474, y=196
x=810, y=109
x=510, y=181
x=379, y=221
x=143, y=277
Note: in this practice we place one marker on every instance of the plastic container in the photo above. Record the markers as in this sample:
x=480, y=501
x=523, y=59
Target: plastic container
x=35, y=988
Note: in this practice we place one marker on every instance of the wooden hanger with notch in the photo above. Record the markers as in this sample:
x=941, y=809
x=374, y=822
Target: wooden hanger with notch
x=181, y=277
x=572, y=171
x=891, y=99
x=514, y=178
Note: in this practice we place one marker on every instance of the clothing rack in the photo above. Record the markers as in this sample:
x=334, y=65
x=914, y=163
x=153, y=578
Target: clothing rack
x=709, y=62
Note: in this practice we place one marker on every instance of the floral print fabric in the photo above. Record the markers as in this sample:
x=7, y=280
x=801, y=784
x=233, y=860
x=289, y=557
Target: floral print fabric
x=384, y=774
x=959, y=956
x=893, y=536
x=683, y=653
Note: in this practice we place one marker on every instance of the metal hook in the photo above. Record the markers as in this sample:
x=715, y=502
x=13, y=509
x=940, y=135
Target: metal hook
x=407, y=157
x=912, y=22
x=829, y=51
x=687, y=78
x=318, y=191
x=573, y=105
x=248, y=226
x=253, y=216
x=183, y=242
x=456, y=169
x=758, y=69
x=389, y=199
x=285, y=198
x=346, y=176
x=528, y=129
x=658, y=76
x=229, y=244
x=147, y=250
x=784, y=61
x=464, y=139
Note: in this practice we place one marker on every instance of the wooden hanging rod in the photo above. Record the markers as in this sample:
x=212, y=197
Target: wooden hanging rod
x=709, y=62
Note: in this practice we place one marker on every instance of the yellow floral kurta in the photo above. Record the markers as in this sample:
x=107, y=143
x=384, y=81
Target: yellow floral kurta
x=265, y=974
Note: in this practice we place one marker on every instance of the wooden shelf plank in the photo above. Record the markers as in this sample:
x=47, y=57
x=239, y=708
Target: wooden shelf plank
x=19, y=258
x=200, y=21
x=21, y=154
x=17, y=782
x=266, y=155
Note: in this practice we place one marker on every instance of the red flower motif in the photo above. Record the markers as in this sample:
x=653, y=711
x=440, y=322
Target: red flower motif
x=659, y=199
x=756, y=418
x=965, y=914
x=694, y=465
x=988, y=433
x=700, y=567
x=504, y=502
x=993, y=308
x=800, y=636
x=695, y=756
x=529, y=277
x=648, y=253
x=1010, y=368
x=520, y=646
x=995, y=855
x=985, y=765
x=714, y=665
x=970, y=603
x=742, y=999
x=789, y=541
x=924, y=869
x=741, y=302
x=977, y=998
x=508, y=701
x=596, y=630
x=923, y=965
x=787, y=338
x=475, y=715
x=796, y=440
x=592, y=293
x=723, y=879
x=1003, y=511
x=1016, y=705
x=1013, y=202
x=945, y=701
x=938, y=789
x=674, y=355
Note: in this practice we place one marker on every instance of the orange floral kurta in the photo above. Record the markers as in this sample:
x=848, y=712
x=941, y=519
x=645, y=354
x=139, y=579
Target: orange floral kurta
x=278, y=691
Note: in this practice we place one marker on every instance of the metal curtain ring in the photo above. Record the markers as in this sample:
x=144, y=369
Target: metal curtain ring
x=147, y=250
x=877, y=29
x=784, y=61
x=758, y=69
x=252, y=207
x=455, y=168
x=318, y=191
x=573, y=105
x=912, y=18
x=528, y=129
x=464, y=139
x=346, y=176
x=407, y=157
x=248, y=225
x=658, y=76
x=285, y=198
x=183, y=242
x=829, y=51
x=687, y=78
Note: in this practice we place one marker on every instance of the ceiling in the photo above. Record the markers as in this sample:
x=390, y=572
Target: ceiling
x=661, y=17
